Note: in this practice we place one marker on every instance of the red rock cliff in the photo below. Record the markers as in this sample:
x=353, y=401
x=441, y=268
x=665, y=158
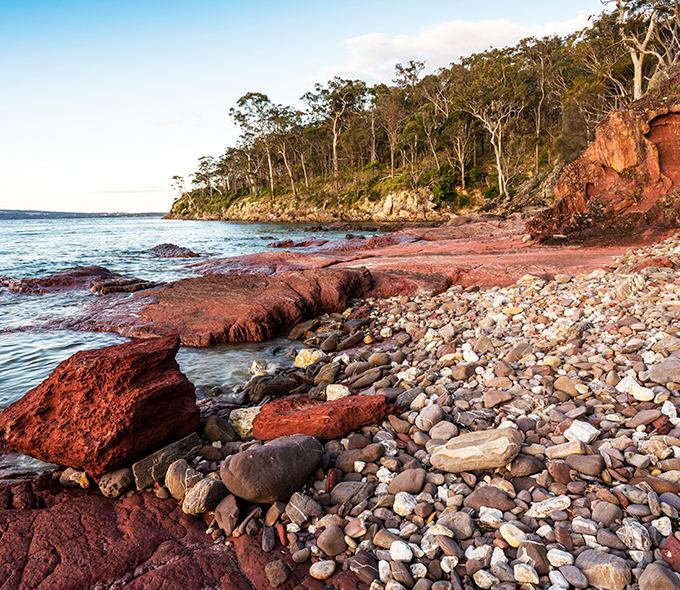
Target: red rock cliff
x=628, y=177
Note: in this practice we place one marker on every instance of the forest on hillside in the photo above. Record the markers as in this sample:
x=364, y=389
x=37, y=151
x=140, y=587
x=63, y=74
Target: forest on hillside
x=481, y=126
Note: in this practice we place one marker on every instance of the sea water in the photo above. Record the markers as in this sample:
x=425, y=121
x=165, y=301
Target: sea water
x=35, y=248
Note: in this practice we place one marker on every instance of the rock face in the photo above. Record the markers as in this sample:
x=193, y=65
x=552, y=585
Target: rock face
x=101, y=408
x=485, y=449
x=139, y=542
x=273, y=471
x=215, y=308
x=298, y=414
x=628, y=175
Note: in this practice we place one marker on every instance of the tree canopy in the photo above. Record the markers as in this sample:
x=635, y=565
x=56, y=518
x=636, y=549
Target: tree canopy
x=488, y=121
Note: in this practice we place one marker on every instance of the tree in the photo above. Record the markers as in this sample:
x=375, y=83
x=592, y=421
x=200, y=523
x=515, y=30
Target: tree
x=285, y=121
x=494, y=95
x=540, y=57
x=391, y=114
x=459, y=133
x=257, y=117
x=335, y=104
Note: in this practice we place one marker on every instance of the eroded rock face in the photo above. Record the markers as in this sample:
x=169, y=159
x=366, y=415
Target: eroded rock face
x=215, y=308
x=298, y=414
x=626, y=177
x=485, y=449
x=101, y=408
x=139, y=542
x=272, y=472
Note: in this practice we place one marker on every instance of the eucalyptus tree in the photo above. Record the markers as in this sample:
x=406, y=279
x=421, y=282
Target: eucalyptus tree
x=540, y=58
x=494, y=93
x=335, y=104
x=392, y=114
x=285, y=123
x=255, y=116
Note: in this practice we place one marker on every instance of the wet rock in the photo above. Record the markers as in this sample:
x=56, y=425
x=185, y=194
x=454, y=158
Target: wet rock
x=172, y=251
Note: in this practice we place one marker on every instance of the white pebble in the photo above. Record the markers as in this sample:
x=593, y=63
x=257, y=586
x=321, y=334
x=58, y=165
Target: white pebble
x=400, y=551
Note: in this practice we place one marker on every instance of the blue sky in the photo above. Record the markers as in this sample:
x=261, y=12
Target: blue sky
x=103, y=102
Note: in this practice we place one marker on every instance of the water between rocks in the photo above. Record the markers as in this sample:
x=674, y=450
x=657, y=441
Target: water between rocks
x=35, y=248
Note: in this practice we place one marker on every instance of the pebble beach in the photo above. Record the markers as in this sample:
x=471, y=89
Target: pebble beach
x=533, y=439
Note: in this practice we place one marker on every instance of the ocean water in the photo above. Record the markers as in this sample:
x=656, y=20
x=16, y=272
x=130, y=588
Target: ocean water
x=35, y=248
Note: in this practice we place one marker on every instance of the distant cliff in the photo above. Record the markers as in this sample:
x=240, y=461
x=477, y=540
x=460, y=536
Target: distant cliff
x=395, y=206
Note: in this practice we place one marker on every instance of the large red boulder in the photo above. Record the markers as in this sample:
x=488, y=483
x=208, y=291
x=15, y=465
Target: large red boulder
x=626, y=178
x=101, y=408
x=297, y=414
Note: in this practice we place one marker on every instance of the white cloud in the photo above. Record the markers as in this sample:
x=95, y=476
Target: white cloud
x=373, y=56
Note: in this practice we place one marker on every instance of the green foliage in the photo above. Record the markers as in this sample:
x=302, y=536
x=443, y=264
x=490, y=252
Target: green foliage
x=443, y=184
x=492, y=192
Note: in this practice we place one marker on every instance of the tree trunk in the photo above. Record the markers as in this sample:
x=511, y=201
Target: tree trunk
x=391, y=160
x=335, y=146
x=271, y=171
x=374, y=151
x=290, y=172
x=304, y=169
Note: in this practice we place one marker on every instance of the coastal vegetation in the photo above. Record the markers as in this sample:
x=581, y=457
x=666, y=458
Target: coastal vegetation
x=494, y=125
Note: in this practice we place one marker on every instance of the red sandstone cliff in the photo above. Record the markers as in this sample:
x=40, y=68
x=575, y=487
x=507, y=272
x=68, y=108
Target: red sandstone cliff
x=628, y=178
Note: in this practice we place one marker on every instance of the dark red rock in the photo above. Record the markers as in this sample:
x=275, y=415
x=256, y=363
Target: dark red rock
x=172, y=251
x=75, y=540
x=101, y=408
x=298, y=414
x=671, y=552
x=82, y=278
x=216, y=308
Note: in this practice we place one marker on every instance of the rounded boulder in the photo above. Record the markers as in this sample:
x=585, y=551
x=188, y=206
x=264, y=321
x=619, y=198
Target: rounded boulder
x=272, y=472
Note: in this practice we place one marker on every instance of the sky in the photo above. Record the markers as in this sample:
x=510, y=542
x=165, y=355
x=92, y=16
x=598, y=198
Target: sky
x=102, y=103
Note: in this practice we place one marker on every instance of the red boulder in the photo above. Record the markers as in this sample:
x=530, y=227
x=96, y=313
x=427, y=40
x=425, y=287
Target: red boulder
x=297, y=414
x=101, y=408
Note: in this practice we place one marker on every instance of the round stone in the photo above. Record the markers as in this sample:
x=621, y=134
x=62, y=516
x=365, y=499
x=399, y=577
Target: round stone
x=322, y=570
x=512, y=535
x=332, y=541
x=400, y=551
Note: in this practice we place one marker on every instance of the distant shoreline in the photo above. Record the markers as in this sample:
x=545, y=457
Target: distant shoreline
x=10, y=214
